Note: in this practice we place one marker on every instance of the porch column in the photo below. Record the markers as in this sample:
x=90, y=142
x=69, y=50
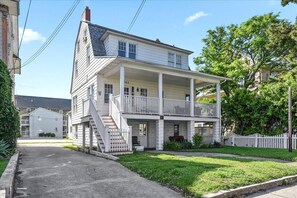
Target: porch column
x=217, y=124
x=191, y=130
x=91, y=137
x=160, y=88
x=84, y=138
x=159, y=134
x=122, y=87
x=192, y=97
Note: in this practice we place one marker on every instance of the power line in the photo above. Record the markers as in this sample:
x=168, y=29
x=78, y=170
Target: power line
x=136, y=16
x=53, y=35
x=28, y=11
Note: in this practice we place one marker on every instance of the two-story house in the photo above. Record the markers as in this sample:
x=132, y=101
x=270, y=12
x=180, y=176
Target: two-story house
x=43, y=115
x=9, y=37
x=131, y=90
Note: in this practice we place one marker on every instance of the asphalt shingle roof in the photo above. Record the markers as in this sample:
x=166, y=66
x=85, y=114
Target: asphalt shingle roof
x=98, y=46
x=47, y=103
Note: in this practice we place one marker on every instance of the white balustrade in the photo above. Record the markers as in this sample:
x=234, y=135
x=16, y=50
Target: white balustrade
x=176, y=107
x=205, y=110
x=141, y=105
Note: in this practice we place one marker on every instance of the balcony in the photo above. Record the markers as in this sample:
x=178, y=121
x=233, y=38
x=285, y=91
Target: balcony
x=171, y=107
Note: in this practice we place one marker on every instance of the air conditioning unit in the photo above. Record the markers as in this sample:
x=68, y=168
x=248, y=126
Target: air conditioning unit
x=85, y=39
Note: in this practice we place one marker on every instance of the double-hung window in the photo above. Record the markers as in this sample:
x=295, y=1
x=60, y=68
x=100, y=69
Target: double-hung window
x=178, y=61
x=74, y=104
x=88, y=55
x=132, y=51
x=76, y=69
x=122, y=49
x=171, y=59
x=108, y=89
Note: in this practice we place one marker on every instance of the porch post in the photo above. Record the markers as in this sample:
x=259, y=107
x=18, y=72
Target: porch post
x=122, y=87
x=160, y=134
x=192, y=97
x=217, y=124
x=191, y=130
x=160, y=87
x=91, y=137
x=84, y=138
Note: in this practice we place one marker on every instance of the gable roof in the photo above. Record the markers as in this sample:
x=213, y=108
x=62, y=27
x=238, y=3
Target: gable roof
x=43, y=109
x=44, y=102
x=97, y=32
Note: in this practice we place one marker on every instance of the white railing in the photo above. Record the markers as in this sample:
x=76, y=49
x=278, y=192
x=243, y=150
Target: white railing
x=205, y=110
x=176, y=107
x=141, y=105
x=262, y=141
x=101, y=128
x=86, y=107
x=121, y=123
x=25, y=122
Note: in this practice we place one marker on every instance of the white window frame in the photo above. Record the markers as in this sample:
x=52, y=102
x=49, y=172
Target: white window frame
x=76, y=69
x=132, y=50
x=88, y=55
x=108, y=89
x=122, y=48
x=74, y=104
x=178, y=60
x=78, y=46
x=171, y=59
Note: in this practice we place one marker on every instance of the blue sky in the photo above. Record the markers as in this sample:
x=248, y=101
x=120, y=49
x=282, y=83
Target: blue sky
x=181, y=23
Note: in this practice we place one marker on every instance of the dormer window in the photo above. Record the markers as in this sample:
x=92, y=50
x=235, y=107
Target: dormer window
x=132, y=51
x=122, y=49
x=178, y=61
x=171, y=59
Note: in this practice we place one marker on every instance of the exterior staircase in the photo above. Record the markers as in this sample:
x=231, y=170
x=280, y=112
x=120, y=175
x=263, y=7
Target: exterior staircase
x=118, y=144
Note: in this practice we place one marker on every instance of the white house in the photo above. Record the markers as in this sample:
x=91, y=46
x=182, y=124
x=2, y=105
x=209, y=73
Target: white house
x=27, y=104
x=45, y=121
x=127, y=89
x=9, y=36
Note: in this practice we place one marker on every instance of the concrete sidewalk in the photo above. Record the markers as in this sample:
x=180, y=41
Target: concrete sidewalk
x=283, y=191
x=51, y=171
x=42, y=140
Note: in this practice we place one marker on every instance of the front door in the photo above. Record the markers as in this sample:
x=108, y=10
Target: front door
x=143, y=134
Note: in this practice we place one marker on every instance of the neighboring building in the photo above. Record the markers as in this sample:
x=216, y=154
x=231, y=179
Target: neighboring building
x=131, y=90
x=37, y=112
x=9, y=36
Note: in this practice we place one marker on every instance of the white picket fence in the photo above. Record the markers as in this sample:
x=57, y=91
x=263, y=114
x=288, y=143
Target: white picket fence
x=261, y=141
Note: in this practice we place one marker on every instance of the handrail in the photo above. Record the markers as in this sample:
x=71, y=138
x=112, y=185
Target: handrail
x=102, y=128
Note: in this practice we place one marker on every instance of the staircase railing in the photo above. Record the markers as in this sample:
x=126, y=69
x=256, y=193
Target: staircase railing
x=101, y=128
x=121, y=123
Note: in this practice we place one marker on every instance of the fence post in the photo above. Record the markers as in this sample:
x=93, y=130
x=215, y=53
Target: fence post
x=233, y=139
x=256, y=140
x=285, y=141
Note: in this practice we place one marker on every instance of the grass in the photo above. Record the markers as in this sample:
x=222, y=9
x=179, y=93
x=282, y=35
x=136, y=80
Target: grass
x=197, y=176
x=3, y=164
x=282, y=154
x=72, y=147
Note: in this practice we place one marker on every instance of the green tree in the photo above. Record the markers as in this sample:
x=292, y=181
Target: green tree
x=240, y=51
x=286, y=2
x=9, y=118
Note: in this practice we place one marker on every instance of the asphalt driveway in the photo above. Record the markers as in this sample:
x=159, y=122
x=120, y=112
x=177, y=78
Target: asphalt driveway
x=47, y=170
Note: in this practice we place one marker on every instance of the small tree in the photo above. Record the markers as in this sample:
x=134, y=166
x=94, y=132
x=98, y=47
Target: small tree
x=9, y=118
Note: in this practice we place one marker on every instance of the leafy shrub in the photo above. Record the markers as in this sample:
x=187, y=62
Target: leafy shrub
x=172, y=146
x=197, y=140
x=186, y=145
x=5, y=149
x=47, y=135
x=204, y=146
x=217, y=144
x=9, y=117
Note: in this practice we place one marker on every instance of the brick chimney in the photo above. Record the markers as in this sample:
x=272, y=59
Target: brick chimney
x=86, y=16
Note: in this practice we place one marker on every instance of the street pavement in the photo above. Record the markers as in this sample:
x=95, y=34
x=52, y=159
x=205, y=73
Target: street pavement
x=50, y=171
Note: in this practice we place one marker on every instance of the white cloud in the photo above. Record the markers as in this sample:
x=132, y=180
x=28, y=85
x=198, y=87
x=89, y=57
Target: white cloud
x=31, y=35
x=194, y=17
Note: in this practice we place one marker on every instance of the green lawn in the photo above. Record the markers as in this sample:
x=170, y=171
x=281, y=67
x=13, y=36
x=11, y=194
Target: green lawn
x=3, y=164
x=202, y=175
x=282, y=154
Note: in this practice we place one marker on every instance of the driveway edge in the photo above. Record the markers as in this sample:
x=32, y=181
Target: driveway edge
x=8, y=176
x=247, y=190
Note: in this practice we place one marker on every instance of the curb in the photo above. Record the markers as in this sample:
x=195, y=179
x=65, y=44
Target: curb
x=247, y=190
x=104, y=155
x=7, y=178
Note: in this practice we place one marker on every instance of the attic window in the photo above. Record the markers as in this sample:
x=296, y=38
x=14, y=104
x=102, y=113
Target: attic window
x=78, y=46
x=122, y=49
x=170, y=59
x=76, y=69
x=178, y=61
x=88, y=55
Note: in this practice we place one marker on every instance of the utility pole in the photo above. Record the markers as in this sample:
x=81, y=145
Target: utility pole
x=290, y=119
